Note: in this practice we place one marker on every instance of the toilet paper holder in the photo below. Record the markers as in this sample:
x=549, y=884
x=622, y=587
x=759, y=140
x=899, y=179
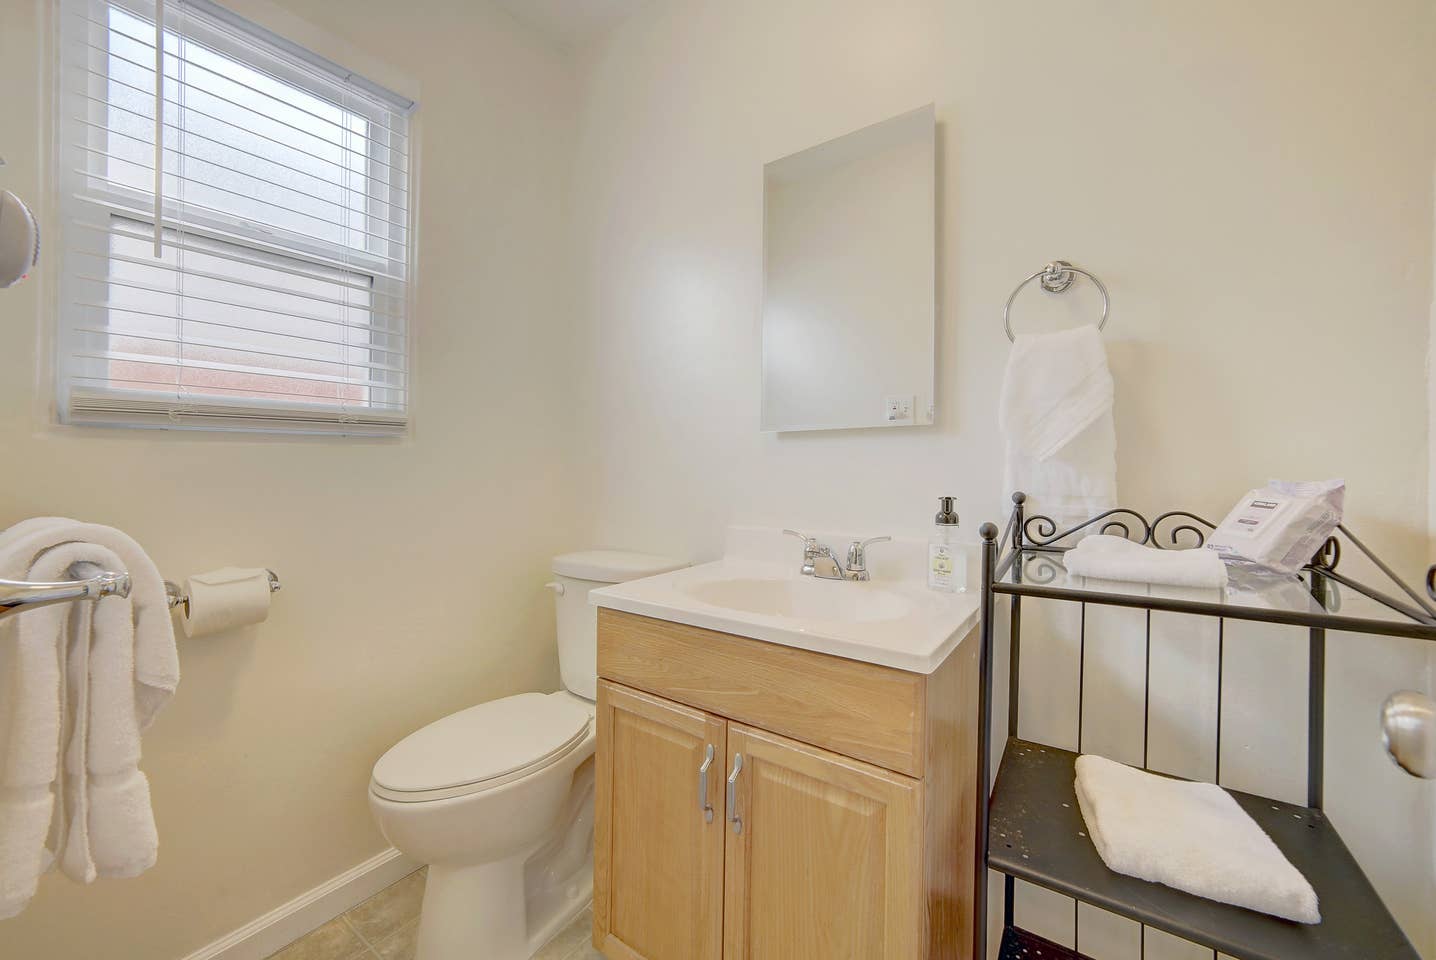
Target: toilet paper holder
x=177, y=597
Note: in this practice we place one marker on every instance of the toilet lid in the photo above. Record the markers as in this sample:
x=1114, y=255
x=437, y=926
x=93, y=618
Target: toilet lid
x=487, y=742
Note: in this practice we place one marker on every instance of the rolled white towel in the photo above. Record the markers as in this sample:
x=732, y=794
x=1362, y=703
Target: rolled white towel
x=1189, y=836
x=78, y=682
x=1116, y=558
x=156, y=656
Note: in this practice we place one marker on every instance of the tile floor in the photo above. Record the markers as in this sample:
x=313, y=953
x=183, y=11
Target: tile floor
x=385, y=927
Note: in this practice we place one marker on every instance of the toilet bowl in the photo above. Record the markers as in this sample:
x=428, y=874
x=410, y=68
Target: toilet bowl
x=498, y=799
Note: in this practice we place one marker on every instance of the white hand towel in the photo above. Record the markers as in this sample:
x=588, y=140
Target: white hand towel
x=157, y=671
x=1057, y=385
x=1117, y=558
x=69, y=676
x=1190, y=836
x=1055, y=412
x=106, y=825
x=31, y=683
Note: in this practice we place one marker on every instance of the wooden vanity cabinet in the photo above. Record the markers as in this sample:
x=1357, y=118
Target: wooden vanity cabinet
x=659, y=884
x=848, y=830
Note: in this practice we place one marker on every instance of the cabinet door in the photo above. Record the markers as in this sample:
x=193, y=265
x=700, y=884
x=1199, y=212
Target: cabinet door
x=824, y=855
x=658, y=853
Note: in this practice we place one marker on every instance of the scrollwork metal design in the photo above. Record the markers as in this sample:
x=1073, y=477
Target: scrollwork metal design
x=1041, y=569
x=1182, y=529
x=1041, y=531
x=1044, y=527
x=1329, y=555
x=1184, y=523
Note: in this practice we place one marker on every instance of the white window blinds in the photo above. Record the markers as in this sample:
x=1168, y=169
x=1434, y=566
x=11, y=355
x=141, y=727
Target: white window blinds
x=235, y=228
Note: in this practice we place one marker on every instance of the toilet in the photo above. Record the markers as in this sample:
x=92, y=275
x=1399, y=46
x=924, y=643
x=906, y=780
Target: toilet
x=498, y=799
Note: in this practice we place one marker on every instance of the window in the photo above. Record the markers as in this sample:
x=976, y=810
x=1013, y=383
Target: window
x=260, y=281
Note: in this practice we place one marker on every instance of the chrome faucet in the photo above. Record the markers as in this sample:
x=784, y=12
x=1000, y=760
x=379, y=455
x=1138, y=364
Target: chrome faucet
x=820, y=561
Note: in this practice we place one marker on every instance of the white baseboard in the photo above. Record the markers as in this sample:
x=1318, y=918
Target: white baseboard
x=313, y=908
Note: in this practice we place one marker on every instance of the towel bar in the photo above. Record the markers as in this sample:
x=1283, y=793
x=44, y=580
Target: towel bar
x=17, y=595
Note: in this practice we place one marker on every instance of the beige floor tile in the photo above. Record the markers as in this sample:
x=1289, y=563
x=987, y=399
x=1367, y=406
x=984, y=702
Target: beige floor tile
x=400, y=945
x=384, y=913
x=585, y=951
x=333, y=941
x=556, y=949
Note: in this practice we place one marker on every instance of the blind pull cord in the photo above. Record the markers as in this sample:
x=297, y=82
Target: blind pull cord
x=159, y=128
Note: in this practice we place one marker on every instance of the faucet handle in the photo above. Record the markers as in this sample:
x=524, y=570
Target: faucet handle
x=857, y=553
x=807, y=541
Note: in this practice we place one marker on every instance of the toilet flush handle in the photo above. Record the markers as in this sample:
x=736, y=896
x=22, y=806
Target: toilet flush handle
x=555, y=586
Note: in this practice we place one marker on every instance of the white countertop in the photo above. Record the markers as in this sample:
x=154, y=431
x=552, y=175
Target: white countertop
x=893, y=620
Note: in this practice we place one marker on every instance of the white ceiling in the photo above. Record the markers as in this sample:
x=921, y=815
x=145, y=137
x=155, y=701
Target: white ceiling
x=572, y=22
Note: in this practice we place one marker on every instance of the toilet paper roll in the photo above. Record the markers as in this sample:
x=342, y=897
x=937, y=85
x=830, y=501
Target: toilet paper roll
x=224, y=599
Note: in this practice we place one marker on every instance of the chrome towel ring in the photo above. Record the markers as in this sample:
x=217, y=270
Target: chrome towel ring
x=1056, y=277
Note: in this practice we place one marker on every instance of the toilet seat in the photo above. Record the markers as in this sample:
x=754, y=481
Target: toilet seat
x=481, y=748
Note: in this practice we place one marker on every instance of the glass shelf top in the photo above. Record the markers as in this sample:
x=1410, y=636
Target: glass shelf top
x=1249, y=594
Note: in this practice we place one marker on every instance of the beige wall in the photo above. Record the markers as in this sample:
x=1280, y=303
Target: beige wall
x=1254, y=184
x=1252, y=181
x=413, y=571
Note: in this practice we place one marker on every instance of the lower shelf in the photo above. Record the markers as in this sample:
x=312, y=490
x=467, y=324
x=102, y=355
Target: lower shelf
x=1018, y=944
x=1036, y=833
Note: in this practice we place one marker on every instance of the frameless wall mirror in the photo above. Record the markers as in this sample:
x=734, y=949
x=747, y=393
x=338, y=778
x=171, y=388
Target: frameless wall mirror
x=849, y=260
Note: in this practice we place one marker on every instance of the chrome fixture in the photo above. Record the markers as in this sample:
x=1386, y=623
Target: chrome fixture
x=16, y=596
x=1408, y=732
x=1055, y=277
x=857, y=568
x=819, y=560
x=733, y=817
x=91, y=583
x=703, y=803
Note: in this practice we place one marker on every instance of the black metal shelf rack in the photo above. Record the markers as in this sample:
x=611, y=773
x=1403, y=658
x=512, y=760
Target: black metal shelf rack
x=1030, y=827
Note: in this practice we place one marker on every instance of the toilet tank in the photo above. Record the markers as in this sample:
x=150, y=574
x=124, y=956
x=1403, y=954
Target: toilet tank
x=575, y=574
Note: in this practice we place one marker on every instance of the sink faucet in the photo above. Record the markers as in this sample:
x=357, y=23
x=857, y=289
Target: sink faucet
x=820, y=561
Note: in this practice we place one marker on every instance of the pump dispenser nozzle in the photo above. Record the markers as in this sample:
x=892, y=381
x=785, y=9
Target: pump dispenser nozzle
x=946, y=514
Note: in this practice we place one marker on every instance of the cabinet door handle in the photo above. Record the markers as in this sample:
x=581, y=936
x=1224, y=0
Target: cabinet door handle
x=703, y=803
x=733, y=817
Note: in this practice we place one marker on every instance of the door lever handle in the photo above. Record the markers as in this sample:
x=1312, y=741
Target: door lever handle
x=733, y=817
x=1408, y=732
x=703, y=803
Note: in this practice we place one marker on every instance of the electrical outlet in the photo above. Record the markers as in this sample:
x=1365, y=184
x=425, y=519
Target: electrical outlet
x=898, y=409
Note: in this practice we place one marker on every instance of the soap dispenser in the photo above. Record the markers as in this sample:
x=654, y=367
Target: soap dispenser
x=946, y=561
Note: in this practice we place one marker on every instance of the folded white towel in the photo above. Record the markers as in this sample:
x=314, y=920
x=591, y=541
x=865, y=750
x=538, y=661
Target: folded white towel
x=1055, y=412
x=73, y=699
x=1190, y=836
x=1117, y=558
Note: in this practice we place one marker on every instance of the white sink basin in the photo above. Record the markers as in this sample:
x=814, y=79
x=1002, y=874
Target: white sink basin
x=803, y=599
x=756, y=591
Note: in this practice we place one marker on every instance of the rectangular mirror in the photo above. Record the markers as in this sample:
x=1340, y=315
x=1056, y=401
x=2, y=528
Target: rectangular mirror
x=849, y=261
